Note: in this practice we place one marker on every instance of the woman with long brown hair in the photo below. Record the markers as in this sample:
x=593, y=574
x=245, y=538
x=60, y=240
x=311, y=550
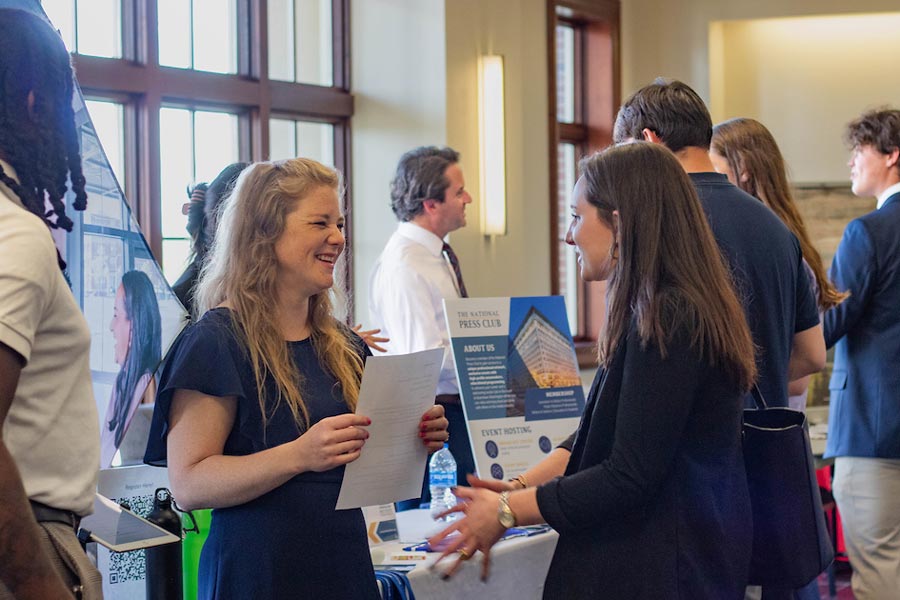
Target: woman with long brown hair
x=255, y=410
x=746, y=152
x=653, y=502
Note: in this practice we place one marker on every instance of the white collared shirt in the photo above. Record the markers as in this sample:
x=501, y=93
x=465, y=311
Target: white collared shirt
x=883, y=196
x=407, y=287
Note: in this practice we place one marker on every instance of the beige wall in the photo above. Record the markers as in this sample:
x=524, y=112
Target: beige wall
x=661, y=37
x=805, y=78
x=805, y=93
x=400, y=89
x=517, y=264
x=415, y=83
x=414, y=79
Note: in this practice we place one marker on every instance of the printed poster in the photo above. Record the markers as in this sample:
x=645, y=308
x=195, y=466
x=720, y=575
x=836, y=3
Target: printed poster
x=518, y=377
x=133, y=315
x=132, y=312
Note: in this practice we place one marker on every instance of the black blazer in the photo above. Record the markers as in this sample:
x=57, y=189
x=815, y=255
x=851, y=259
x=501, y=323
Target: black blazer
x=654, y=501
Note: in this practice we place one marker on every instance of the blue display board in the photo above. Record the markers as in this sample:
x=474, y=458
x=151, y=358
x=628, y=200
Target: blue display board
x=518, y=378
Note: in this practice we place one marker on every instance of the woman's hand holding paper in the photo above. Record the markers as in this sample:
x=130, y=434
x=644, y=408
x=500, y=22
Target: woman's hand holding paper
x=433, y=428
x=332, y=442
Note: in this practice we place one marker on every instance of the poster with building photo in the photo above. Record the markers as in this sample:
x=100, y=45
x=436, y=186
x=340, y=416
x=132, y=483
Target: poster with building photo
x=518, y=378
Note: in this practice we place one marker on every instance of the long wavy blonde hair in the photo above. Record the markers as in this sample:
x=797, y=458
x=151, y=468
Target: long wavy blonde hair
x=241, y=271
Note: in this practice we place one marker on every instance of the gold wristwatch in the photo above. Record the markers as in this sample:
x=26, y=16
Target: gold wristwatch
x=505, y=514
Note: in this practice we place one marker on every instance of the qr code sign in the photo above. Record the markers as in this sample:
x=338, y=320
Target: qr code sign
x=127, y=566
x=130, y=566
x=124, y=573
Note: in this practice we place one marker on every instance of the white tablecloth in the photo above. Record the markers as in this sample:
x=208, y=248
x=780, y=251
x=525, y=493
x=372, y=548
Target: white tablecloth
x=518, y=566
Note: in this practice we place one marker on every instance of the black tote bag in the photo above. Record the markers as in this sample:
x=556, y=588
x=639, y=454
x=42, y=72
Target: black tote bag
x=791, y=544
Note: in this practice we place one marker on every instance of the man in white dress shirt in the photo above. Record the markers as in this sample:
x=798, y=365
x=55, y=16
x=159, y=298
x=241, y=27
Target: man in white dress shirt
x=418, y=269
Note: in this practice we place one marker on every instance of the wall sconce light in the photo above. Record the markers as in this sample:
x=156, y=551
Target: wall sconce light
x=492, y=145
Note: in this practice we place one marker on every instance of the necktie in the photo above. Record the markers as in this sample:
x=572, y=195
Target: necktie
x=454, y=262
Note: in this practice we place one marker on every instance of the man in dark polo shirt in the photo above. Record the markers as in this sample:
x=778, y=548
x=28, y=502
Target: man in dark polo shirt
x=764, y=255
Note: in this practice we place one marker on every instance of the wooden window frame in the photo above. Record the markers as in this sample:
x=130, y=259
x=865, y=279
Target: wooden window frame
x=143, y=86
x=597, y=98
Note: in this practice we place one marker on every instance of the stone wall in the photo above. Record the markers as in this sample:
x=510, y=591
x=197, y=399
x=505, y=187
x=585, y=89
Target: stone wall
x=826, y=210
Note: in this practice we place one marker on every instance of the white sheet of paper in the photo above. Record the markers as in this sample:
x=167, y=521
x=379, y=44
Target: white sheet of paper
x=395, y=393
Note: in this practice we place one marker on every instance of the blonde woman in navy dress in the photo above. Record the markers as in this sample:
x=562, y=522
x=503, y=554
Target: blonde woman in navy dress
x=255, y=409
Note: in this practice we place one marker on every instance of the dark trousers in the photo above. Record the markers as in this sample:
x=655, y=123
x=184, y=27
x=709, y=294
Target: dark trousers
x=808, y=592
x=460, y=447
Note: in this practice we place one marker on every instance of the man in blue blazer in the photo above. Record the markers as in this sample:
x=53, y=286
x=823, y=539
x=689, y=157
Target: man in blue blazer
x=864, y=421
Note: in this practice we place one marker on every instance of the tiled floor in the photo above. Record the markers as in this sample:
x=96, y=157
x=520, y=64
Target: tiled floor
x=842, y=583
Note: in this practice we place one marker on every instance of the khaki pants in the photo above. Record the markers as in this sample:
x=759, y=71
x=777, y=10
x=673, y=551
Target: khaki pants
x=867, y=491
x=68, y=558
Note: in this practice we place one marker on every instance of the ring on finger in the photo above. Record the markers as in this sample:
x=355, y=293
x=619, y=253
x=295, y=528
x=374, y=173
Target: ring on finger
x=464, y=554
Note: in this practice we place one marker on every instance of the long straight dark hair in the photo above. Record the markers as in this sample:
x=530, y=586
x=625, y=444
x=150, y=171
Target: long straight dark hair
x=670, y=274
x=144, y=352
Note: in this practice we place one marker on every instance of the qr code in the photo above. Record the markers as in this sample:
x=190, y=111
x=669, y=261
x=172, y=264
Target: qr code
x=130, y=566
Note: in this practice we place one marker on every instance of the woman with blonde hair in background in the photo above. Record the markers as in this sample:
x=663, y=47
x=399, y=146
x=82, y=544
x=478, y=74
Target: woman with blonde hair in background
x=255, y=410
x=746, y=152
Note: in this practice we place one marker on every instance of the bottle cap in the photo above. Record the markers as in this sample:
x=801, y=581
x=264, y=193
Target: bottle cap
x=163, y=496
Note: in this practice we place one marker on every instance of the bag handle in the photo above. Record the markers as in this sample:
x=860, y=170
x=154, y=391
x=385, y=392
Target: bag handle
x=758, y=397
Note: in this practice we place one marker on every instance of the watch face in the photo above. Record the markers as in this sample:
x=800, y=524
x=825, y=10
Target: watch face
x=507, y=519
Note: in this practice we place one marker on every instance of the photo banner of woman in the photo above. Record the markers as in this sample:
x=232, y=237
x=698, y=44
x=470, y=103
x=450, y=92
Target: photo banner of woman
x=136, y=332
x=132, y=312
x=104, y=247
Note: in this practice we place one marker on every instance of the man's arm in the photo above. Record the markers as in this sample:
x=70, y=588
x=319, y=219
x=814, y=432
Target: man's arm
x=24, y=568
x=798, y=386
x=807, y=353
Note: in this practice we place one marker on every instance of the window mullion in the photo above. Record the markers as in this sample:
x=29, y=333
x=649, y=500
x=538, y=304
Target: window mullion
x=191, y=33
x=143, y=86
x=150, y=195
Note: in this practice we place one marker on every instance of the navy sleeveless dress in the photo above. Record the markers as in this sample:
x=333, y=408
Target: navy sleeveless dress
x=290, y=542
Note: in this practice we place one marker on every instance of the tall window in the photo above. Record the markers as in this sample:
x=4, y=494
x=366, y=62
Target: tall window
x=178, y=89
x=571, y=146
x=89, y=27
x=289, y=137
x=583, y=75
x=197, y=145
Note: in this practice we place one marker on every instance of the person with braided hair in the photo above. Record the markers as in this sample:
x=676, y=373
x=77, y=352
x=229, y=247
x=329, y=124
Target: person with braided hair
x=49, y=440
x=37, y=124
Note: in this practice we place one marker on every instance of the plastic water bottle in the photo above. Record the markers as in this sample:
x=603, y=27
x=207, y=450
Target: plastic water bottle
x=441, y=480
